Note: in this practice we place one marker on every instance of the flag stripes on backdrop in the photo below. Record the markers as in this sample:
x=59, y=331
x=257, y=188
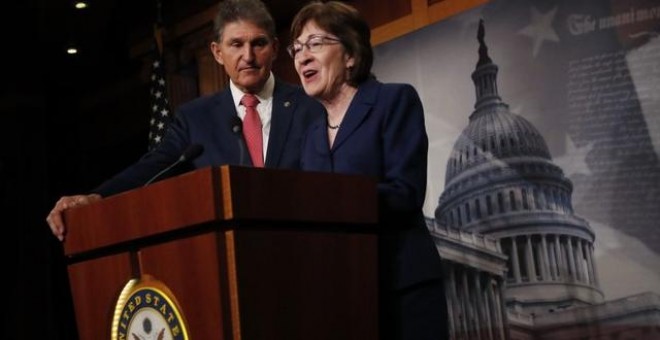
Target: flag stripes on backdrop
x=160, y=106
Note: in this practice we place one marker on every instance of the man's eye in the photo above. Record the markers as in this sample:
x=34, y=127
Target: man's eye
x=260, y=42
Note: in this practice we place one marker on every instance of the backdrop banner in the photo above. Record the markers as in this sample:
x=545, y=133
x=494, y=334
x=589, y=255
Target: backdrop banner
x=557, y=161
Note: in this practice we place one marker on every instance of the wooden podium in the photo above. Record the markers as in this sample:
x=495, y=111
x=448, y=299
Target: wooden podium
x=248, y=253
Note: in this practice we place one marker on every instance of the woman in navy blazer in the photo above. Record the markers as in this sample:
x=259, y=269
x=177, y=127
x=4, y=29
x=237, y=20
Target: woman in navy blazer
x=378, y=130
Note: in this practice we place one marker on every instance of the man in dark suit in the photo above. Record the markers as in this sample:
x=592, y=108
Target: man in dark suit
x=246, y=45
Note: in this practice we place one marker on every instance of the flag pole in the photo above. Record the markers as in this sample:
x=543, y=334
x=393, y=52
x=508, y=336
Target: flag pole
x=158, y=27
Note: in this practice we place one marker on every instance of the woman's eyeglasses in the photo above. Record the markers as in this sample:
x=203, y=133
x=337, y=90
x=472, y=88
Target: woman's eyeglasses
x=314, y=44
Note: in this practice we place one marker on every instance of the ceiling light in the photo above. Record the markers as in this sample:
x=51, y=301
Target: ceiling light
x=80, y=4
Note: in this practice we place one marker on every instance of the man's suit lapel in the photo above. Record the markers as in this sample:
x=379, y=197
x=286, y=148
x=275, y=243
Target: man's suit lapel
x=360, y=107
x=284, y=104
x=224, y=116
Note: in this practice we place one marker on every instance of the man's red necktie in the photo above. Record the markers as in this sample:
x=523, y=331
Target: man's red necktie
x=252, y=130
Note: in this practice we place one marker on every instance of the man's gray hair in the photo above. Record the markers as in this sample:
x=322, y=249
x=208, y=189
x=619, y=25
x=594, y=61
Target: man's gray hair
x=253, y=11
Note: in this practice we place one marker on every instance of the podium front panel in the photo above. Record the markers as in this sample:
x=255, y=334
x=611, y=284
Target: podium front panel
x=191, y=268
x=95, y=286
x=301, y=284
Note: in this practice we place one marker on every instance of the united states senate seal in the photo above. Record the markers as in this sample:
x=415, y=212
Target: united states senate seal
x=146, y=309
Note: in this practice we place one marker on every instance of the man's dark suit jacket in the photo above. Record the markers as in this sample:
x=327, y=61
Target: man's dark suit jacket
x=211, y=122
x=383, y=135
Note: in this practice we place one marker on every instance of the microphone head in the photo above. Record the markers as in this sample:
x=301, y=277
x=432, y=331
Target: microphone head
x=236, y=125
x=193, y=151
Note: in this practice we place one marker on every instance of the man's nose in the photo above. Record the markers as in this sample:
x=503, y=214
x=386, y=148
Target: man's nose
x=248, y=53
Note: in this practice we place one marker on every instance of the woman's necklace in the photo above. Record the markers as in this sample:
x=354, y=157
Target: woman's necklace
x=340, y=107
x=333, y=127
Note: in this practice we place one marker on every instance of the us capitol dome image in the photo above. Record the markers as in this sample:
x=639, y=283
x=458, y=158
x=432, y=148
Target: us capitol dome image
x=518, y=261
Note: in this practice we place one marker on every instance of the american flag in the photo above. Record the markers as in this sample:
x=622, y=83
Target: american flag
x=160, y=107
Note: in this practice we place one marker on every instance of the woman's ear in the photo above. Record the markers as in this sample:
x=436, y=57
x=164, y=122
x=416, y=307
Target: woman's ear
x=350, y=62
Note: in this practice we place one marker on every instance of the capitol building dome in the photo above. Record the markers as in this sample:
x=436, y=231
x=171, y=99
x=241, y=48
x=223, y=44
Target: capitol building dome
x=501, y=182
x=495, y=133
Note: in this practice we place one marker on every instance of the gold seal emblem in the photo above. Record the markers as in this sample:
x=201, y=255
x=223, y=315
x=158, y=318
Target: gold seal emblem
x=146, y=309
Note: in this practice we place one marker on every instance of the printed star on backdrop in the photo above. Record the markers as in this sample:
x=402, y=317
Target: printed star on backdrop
x=540, y=29
x=574, y=160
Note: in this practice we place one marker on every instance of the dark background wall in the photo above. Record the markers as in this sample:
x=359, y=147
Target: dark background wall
x=67, y=123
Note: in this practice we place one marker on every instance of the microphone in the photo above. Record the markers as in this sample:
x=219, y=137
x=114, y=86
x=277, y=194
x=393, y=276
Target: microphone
x=193, y=151
x=237, y=129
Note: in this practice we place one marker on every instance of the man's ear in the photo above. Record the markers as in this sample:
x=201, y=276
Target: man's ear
x=217, y=52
